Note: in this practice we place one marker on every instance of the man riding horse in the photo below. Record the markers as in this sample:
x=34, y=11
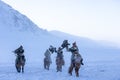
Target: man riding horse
x=47, y=58
x=75, y=57
x=20, y=57
x=59, y=59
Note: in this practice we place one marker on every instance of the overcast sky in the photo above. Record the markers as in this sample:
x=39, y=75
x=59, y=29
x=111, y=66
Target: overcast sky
x=96, y=19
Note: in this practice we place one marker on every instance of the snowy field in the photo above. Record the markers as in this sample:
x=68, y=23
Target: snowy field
x=90, y=71
x=97, y=70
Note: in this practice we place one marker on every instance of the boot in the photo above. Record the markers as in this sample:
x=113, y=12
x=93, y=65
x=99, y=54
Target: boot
x=82, y=62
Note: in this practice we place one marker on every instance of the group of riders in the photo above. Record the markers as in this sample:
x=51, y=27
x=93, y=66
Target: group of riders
x=74, y=50
x=75, y=57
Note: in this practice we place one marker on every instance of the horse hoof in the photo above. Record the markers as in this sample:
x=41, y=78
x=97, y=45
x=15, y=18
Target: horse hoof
x=18, y=71
x=77, y=75
x=70, y=74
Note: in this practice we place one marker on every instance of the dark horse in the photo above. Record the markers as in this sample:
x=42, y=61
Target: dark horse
x=19, y=64
x=76, y=64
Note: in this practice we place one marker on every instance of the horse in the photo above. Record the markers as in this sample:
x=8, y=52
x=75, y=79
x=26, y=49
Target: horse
x=75, y=64
x=47, y=59
x=19, y=63
x=59, y=62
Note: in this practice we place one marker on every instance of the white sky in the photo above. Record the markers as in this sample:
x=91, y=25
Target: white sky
x=96, y=19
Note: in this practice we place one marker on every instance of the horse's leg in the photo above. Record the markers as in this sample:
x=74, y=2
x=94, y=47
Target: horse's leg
x=44, y=63
x=77, y=67
x=57, y=64
x=45, y=66
x=48, y=65
x=18, y=70
x=17, y=67
x=22, y=68
x=61, y=68
x=70, y=69
x=57, y=68
x=61, y=64
x=77, y=71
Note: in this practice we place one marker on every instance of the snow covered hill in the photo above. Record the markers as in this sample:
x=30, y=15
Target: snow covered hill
x=16, y=29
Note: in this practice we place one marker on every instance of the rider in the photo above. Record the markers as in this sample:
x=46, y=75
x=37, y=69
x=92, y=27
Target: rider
x=19, y=52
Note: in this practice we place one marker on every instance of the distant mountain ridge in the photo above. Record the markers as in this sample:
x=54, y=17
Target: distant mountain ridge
x=82, y=39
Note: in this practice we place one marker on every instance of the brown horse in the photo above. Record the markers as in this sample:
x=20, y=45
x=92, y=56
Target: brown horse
x=20, y=62
x=59, y=62
x=76, y=64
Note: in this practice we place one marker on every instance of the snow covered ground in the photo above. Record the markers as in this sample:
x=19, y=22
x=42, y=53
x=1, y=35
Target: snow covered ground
x=92, y=70
x=108, y=70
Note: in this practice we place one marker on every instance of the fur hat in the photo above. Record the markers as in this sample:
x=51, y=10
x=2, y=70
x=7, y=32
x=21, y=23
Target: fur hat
x=74, y=43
